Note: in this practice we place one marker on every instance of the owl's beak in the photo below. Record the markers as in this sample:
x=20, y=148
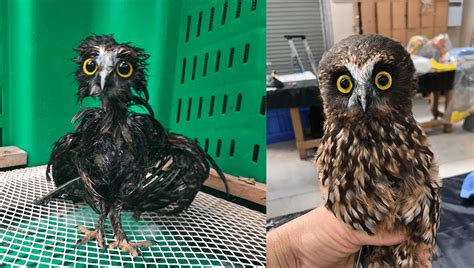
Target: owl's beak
x=104, y=74
x=362, y=99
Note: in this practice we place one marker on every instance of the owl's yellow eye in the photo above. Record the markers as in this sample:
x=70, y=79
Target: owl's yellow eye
x=124, y=69
x=383, y=80
x=89, y=66
x=344, y=83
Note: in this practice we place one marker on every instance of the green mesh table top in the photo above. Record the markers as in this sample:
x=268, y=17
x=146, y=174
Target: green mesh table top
x=212, y=232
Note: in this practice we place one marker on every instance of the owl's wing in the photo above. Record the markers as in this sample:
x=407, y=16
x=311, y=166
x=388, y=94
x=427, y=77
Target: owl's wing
x=422, y=211
x=60, y=167
x=176, y=169
x=62, y=171
x=173, y=182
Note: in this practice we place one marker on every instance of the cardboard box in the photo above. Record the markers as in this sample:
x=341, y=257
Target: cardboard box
x=440, y=30
x=399, y=15
x=402, y=19
x=369, y=23
x=427, y=15
x=400, y=35
x=428, y=32
x=414, y=14
x=384, y=18
x=441, y=13
x=412, y=32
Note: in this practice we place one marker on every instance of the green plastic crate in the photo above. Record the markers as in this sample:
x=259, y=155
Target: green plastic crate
x=206, y=72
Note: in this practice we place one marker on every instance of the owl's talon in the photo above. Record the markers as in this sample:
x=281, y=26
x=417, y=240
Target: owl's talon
x=90, y=235
x=132, y=247
x=139, y=252
x=137, y=216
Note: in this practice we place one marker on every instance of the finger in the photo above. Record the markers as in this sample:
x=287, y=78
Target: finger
x=423, y=255
x=362, y=238
x=382, y=239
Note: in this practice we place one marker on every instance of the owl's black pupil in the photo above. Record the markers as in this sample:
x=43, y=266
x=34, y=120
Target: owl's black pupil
x=90, y=66
x=383, y=80
x=345, y=83
x=123, y=68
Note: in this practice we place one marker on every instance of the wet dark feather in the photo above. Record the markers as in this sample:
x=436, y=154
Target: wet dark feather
x=117, y=159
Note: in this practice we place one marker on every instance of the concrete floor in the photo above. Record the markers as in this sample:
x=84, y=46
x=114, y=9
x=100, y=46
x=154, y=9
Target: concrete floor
x=292, y=184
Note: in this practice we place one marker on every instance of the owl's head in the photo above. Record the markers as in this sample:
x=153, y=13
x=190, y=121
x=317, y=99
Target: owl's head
x=110, y=71
x=367, y=76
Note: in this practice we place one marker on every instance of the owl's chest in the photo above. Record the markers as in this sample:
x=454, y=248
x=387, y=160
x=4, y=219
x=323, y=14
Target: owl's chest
x=367, y=160
x=369, y=180
x=393, y=158
x=106, y=149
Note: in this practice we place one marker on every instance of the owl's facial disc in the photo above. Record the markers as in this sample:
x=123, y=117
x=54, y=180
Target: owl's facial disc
x=113, y=72
x=363, y=94
x=103, y=78
x=108, y=72
x=381, y=81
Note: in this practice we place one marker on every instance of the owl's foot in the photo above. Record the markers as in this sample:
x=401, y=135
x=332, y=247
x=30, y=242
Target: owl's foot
x=127, y=246
x=89, y=235
x=425, y=254
x=137, y=215
x=410, y=254
x=379, y=262
x=380, y=265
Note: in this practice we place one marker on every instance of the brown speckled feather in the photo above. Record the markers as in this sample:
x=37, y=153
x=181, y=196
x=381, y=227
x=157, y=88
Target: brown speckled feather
x=376, y=165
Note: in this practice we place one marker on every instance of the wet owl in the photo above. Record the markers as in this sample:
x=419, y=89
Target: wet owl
x=375, y=163
x=117, y=159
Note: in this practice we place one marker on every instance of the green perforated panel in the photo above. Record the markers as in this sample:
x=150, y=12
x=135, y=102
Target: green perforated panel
x=219, y=98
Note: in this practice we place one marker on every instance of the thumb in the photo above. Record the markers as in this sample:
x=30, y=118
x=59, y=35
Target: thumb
x=382, y=238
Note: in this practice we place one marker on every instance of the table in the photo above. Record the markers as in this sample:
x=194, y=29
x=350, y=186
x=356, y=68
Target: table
x=433, y=83
x=306, y=93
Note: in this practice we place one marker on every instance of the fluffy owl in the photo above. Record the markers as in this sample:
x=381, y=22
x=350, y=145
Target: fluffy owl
x=375, y=162
x=117, y=159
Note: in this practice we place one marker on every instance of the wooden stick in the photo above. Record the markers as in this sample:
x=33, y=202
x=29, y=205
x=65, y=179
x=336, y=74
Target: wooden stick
x=245, y=188
x=433, y=123
x=11, y=156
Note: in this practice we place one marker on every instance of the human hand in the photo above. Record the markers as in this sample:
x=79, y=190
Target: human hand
x=319, y=239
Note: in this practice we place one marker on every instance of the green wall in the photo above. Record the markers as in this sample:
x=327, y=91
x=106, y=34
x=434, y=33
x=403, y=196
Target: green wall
x=37, y=82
